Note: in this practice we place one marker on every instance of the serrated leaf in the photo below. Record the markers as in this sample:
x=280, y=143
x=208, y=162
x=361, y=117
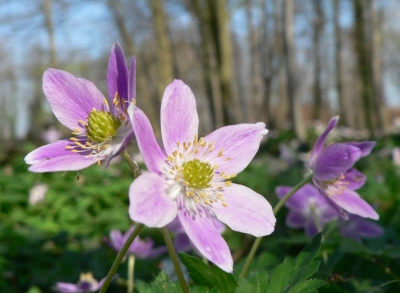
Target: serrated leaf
x=257, y=283
x=162, y=284
x=308, y=286
x=210, y=276
x=290, y=273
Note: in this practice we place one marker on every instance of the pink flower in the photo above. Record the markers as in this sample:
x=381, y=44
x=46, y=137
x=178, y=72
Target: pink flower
x=101, y=129
x=190, y=178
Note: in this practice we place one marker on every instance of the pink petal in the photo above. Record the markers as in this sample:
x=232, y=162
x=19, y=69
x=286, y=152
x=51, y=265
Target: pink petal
x=54, y=157
x=319, y=144
x=295, y=220
x=207, y=240
x=132, y=80
x=153, y=156
x=117, y=73
x=246, y=211
x=239, y=142
x=149, y=204
x=66, y=287
x=71, y=98
x=353, y=203
x=179, y=119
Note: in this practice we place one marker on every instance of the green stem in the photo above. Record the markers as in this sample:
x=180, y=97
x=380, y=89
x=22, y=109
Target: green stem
x=132, y=164
x=278, y=206
x=291, y=192
x=131, y=265
x=319, y=229
x=120, y=257
x=174, y=258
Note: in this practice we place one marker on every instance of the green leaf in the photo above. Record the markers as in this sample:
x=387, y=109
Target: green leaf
x=210, y=276
x=308, y=286
x=162, y=284
x=257, y=283
x=290, y=273
x=203, y=289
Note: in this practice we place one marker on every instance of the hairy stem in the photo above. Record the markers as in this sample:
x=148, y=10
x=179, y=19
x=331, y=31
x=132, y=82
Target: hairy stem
x=174, y=258
x=276, y=210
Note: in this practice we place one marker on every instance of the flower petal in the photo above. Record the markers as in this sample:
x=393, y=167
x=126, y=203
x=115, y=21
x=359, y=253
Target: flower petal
x=156, y=252
x=149, y=204
x=300, y=199
x=295, y=220
x=66, y=287
x=117, y=73
x=319, y=144
x=71, y=98
x=132, y=80
x=246, y=211
x=123, y=137
x=54, y=157
x=239, y=143
x=311, y=228
x=182, y=242
x=353, y=203
x=354, y=179
x=179, y=119
x=364, y=146
x=331, y=203
x=207, y=240
x=153, y=156
x=334, y=160
x=367, y=229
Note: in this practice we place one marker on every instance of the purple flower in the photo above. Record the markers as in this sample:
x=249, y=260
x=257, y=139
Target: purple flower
x=334, y=175
x=86, y=284
x=357, y=227
x=101, y=130
x=139, y=248
x=307, y=209
x=182, y=241
x=188, y=178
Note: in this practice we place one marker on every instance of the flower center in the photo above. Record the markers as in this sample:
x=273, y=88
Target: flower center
x=197, y=174
x=101, y=125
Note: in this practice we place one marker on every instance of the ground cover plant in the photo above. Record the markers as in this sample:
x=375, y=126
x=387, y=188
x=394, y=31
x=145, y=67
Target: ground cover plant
x=247, y=214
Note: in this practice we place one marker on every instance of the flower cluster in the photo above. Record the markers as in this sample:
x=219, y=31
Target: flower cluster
x=188, y=185
x=336, y=181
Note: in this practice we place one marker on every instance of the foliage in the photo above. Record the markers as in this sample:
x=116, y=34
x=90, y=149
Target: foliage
x=60, y=237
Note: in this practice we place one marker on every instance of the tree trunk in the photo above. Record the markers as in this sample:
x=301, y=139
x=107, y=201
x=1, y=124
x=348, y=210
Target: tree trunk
x=319, y=23
x=222, y=41
x=295, y=110
x=379, y=101
x=211, y=79
x=338, y=62
x=364, y=64
x=48, y=15
x=163, y=46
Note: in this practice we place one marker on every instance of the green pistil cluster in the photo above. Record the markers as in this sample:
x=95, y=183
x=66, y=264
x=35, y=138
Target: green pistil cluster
x=197, y=174
x=101, y=125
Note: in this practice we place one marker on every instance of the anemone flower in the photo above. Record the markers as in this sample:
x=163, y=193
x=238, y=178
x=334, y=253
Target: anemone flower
x=86, y=284
x=357, y=228
x=307, y=209
x=182, y=241
x=101, y=130
x=191, y=177
x=139, y=248
x=333, y=173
